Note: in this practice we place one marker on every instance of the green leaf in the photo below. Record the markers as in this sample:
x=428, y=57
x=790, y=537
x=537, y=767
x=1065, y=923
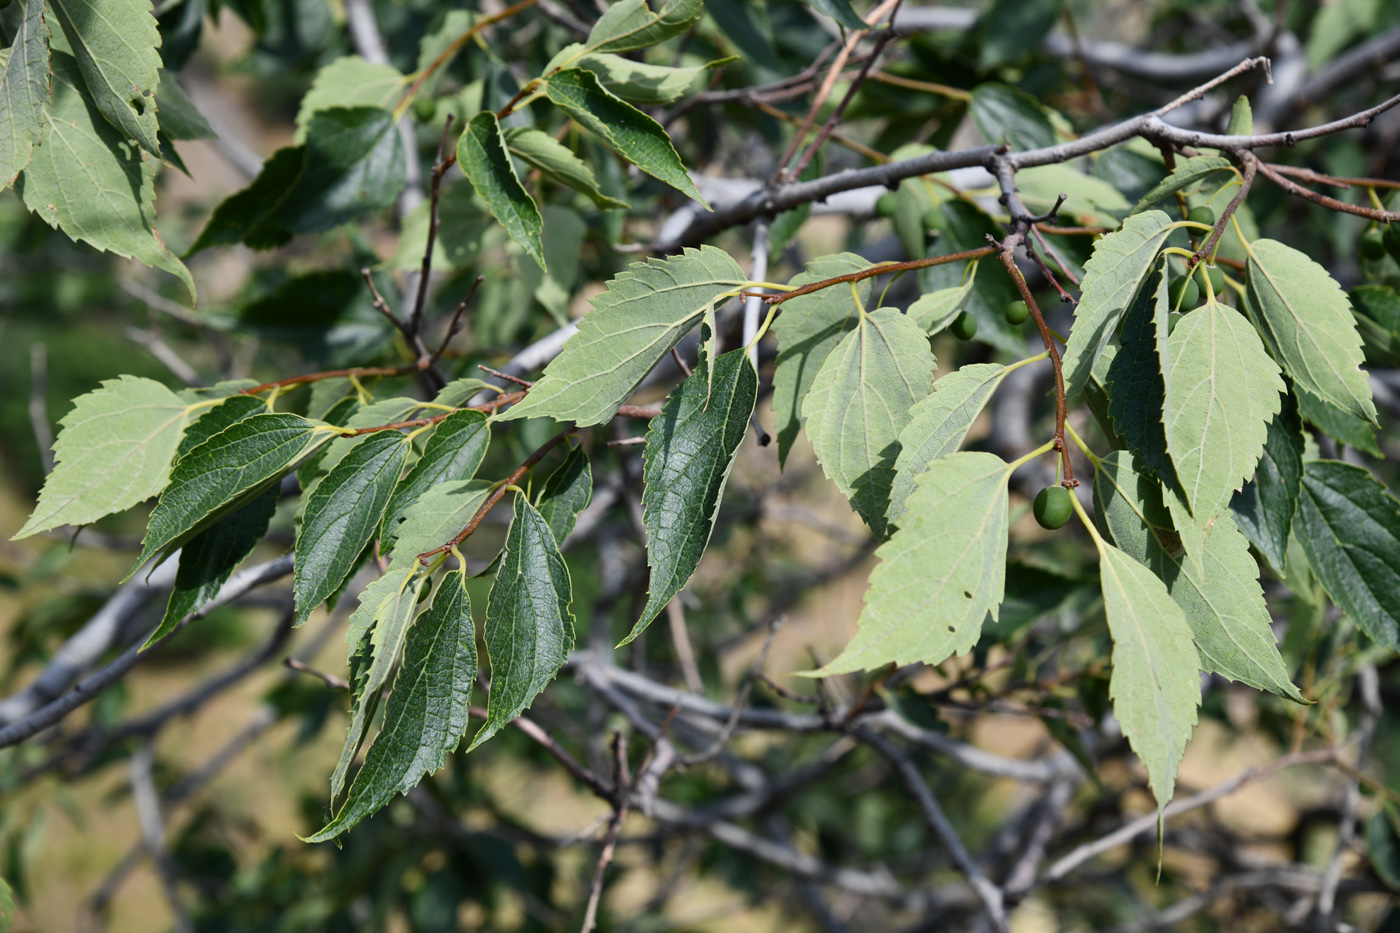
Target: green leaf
x=644, y=84
x=1222, y=601
x=859, y=403
x=214, y=420
x=453, y=452
x=1241, y=118
x=1306, y=322
x=839, y=10
x=207, y=559
x=350, y=81
x=690, y=450
x=937, y=309
x=227, y=471
x=1341, y=426
x=437, y=517
x=342, y=516
x=353, y=162
x=563, y=236
x=1383, y=845
x=808, y=329
x=1156, y=682
x=114, y=43
x=1092, y=201
x=1336, y=26
x=939, y=424
x=529, y=631
x=1120, y=264
x=746, y=25
x=1010, y=27
x=24, y=89
x=179, y=117
x=1135, y=381
x=632, y=134
x=542, y=151
x=114, y=450
x=382, y=412
x=1007, y=114
x=645, y=311
x=89, y=182
x=629, y=25
x=481, y=151
x=1222, y=391
x=426, y=714
x=1377, y=312
x=1349, y=527
x=1264, y=508
x=1188, y=174
x=566, y=493
x=379, y=626
x=942, y=573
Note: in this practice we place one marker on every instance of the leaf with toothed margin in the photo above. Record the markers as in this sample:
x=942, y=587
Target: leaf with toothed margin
x=529, y=629
x=690, y=450
x=481, y=151
x=426, y=714
x=454, y=452
x=1264, y=508
x=114, y=43
x=566, y=493
x=24, y=87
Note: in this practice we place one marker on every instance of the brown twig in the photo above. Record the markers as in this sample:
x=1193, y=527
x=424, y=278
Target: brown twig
x=1251, y=166
x=874, y=271
x=1318, y=178
x=622, y=783
x=1307, y=194
x=499, y=401
x=330, y=680
x=440, y=166
x=455, y=324
x=506, y=376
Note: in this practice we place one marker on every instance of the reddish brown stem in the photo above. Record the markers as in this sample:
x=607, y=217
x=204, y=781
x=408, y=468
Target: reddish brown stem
x=1251, y=166
x=499, y=401
x=405, y=370
x=1312, y=177
x=506, y=376
x=1297, y=190
x=874, y=271
x=440, y=166
x=463, y=39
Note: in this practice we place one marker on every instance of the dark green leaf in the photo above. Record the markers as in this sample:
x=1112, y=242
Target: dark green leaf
x=342, y=515
x=216, y=419
x=179, y=118
x=1264, y=507
x=839, y=10
x=1188, y=174
x=1377, y=311
x=1349, y=527
x=1011, y=27
x=554, y=159
x=1007, y=114
x=1343, y=427
x=1383, y=845
x=689, y=452
x=1136, y=387
x=455, y=450
x=746, y=25
x=629, y=25
x=481, y=151
x=529, y=630
x=632, y=134
x=426, y=715
x=566, y=493
x=24, y=89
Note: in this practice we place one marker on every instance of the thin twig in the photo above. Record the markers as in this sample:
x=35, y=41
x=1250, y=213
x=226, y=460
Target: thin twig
x=147, y=800
x=623, y=783
x=1307, y=194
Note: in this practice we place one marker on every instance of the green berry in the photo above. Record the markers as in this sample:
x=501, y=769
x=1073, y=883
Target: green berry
x=424, y=108
x=1201, y=214
x=1217, y=279
x=886, y=204
x=1373, y=244
x=1391, y=239
x=1052, y=507
x=1184, y=293
x=1172, y=318
x=964, y=326
x=933, y=219
x=1016, y=313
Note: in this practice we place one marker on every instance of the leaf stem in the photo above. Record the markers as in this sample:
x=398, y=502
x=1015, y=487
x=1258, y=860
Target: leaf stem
x=879, y=269
x=1022, y=461
x=1083, y=447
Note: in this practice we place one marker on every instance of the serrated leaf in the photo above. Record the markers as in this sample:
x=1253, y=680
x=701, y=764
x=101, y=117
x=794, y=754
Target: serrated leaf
x=644, y=84
x=1377, y=312
x=529, y=630
x=349, y=81
x=629, y=25
x=114, y=450
x=382, y=620
x=1188, y=174
x=214, y=420
x=630, y=133
x=426, y=714
x=207, y=559
x=436, y=518
x=937, y=309
x=859, y=403
x=453, y=452
x=1156, y=682
x=1306, y=322
x=942, y=573
x=645, y=311
x=86, y=180
x=354, y=416
x=179, y=117
x=1343, y=427
x=1222, y=391
x=1222, y=601
x=544, y=152
x=481, y=151
x=227, y=471
x=566, y=493
x=24, y=88
x=342, y=516
x=964, y=226
x=808, y=329
x=839, y=10
x=1006, y=113
x=939, y=424
x=114, y=43
x=1349, y=527
x=353, y=162
x=1121, y=261
x=1264, y=508
x=1135, y=381
x=563, y=236
x=690, y=450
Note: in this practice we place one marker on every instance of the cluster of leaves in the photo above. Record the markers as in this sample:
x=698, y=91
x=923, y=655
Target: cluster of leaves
x=1204, y=406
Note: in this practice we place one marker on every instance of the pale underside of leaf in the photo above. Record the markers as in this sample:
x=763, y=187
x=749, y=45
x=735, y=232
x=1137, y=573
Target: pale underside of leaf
x=436, y=517
x=24, y=88
x=115, y=42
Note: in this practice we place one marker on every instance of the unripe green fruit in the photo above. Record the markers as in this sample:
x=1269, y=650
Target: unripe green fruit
x=1391, y=239
x=933, y=219
x=1201, y=214
x=964, y=326
x=424, y=108
x=1184, y=293
x=1172, y=318
x=886, y=204
x=1217, y=279
x=1052, y=507
x=1373, y=244
x=1017, y=313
